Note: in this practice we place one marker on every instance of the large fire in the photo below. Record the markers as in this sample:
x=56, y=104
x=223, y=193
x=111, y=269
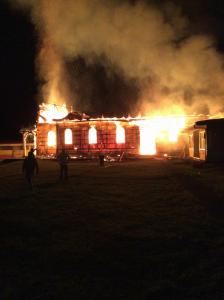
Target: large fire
x=49, y=112
x=152, y=129
x=161, y=128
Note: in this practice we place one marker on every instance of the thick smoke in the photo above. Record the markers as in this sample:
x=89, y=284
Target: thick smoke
x=145, y=43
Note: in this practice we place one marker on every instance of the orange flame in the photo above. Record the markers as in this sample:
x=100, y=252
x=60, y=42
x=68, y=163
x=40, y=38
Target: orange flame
x=158, y=128
x=48, y=112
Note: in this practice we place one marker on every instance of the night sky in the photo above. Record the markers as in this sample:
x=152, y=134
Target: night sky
x=19, y=84
x=17, y=74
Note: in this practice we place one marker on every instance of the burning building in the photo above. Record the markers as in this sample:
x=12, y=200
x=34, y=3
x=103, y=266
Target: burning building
x=137, y=42
x=194, y=136
x=82, y=135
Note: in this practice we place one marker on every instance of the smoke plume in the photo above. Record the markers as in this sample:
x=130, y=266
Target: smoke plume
x=143, y=43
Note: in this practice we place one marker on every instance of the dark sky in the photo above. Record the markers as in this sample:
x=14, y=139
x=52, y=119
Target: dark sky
x=17, y=74
x=19, y=84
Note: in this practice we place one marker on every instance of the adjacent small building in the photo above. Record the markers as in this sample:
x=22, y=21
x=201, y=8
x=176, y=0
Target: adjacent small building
x=206, y=140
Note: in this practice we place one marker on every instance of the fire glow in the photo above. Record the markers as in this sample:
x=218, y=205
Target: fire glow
x=163, y=128
x=68, y=136
x=92, y=135
x=49, y=112
x=153, y=129
x=51, y=138
x=120, y=134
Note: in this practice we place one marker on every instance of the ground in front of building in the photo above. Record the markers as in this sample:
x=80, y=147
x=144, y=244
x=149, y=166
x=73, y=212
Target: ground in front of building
x=147, y=229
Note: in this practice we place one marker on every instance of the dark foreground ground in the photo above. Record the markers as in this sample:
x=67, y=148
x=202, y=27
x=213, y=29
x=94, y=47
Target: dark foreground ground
x=135, y=230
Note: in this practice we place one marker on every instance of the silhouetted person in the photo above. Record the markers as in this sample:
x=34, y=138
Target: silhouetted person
x=63, y=159
x=31, y=152
x=101, y=160
x=30, y=165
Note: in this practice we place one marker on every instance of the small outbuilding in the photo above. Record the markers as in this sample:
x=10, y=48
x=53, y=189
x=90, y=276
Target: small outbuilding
x=206, y=140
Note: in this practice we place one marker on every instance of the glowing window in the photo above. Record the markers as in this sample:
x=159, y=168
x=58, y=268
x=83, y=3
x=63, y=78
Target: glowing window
x=120, y=134
x=92, y=135
x=147, y=140
x=191, y=143
x=51, y=138
x=68, y=136
x=202, y=140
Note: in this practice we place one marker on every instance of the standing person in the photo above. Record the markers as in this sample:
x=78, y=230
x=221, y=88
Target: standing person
x=101, y=159
x=63, y=159
x=31, y=152
x=30, y=165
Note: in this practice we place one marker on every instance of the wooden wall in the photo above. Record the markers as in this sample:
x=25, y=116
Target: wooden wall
x=215, y=142
x=198, y=144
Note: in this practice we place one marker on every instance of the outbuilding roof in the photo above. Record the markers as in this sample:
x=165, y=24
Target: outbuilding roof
x=210, y=122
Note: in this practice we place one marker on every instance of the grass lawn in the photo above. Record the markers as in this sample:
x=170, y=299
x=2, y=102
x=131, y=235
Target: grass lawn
x=147, y=229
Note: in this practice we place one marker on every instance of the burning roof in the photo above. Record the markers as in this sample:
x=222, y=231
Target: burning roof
x=74, y=116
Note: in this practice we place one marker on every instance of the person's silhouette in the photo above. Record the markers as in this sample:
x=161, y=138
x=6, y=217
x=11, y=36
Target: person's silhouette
x=63, y=159
x=30, y=165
